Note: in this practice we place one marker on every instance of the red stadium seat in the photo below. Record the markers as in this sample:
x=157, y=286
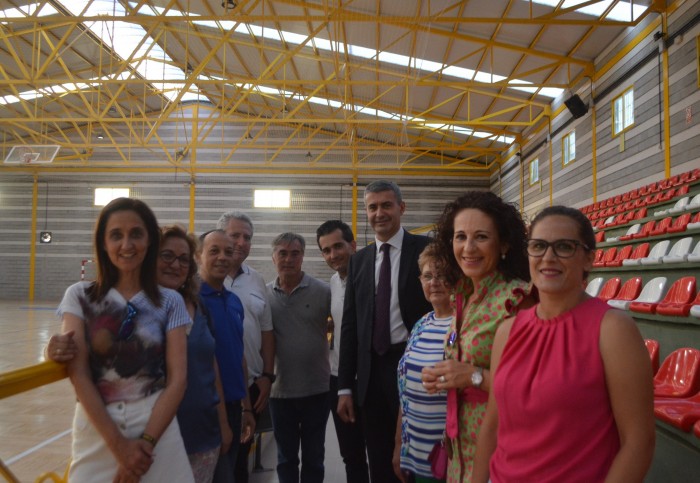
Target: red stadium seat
x=665, y=184
x=679, y=224
x=607, y=257
x=653, y=348
x=641, y=213
x=644, y=230
x=661, y=227
x=667, y=195
x=679, y=375
x=634, y=194
x=640, y=252
x=623, y=254
x=626, y=197
x=682, y=413
x=610, y=289
x=683, y=190
x=679, y=298
x=629, y=291
x=598, y=255
x=600, y=237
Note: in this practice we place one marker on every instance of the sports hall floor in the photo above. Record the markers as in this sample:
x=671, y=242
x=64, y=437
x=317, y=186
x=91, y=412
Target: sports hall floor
x=35, y=426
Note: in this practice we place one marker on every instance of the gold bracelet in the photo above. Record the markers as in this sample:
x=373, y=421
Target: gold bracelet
x=149, y=438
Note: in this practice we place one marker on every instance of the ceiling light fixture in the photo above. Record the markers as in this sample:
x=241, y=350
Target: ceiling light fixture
x=100, y=136
x=229, y=4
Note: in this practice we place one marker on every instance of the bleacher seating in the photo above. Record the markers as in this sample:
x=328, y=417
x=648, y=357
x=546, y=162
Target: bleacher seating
x=651, y=295
x=682, y=413
x=679, y=251
x=679, y=374
x=608, y=256
x=653, y=348
x=657, y=253
x=643, y=231
x=622, y=254
x=678, y=300
x=694, y=256
x=641, y=251
x=594, y=286
x=694, y=222
x=679, y=224
x=661, y=227
x=632, y=230
x=610, y=289
x=629, y=292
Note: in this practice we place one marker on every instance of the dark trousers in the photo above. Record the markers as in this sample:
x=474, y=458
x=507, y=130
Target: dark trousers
x=241, y=469
x=300, y=420
x=380, y=411
x=351, y=440
x=227, y=461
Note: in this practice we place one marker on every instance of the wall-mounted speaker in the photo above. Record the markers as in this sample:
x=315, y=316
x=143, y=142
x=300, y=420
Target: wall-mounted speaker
x=576, y=106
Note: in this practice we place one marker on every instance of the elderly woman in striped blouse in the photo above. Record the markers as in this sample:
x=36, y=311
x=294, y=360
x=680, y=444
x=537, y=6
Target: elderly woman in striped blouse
x=421, y=420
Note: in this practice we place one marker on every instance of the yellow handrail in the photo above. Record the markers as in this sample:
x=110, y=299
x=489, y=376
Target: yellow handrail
x=23, y=380
x=31, y=377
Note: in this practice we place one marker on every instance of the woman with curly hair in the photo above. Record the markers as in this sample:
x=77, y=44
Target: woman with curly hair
x=481, y=241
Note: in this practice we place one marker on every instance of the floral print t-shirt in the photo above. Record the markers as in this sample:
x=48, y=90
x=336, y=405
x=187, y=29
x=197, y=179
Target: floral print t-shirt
x=125, y=339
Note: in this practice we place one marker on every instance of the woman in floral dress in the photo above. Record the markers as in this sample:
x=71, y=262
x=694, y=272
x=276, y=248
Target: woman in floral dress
x=482, y=242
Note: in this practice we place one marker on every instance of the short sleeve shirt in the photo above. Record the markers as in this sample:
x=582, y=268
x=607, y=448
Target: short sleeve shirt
x=126, y=339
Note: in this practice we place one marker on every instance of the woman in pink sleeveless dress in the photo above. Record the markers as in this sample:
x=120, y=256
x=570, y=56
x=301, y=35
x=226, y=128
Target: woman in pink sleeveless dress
x=572, y=396
x=481, y=240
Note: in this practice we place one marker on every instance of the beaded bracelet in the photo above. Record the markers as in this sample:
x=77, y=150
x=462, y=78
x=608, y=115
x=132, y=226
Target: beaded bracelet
x=149, y=438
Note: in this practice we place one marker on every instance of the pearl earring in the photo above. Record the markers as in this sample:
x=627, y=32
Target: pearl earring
x=503, y=256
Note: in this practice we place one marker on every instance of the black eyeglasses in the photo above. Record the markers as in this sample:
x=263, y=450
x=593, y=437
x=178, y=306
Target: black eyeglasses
x=561, y=248
x=126, y=330
x=169, y=257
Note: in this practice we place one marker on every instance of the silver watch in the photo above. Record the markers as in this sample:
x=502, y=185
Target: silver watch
x=477, y=377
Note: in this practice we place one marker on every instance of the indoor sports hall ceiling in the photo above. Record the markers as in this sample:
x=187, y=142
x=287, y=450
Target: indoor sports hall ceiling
x=318, y=85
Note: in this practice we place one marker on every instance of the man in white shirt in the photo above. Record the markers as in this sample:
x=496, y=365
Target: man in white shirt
x=258, y=336
x=337, y=244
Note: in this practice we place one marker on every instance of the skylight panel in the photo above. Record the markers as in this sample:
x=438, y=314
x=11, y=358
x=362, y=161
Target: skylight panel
x=28, y=10
x=621, y=12
x=363, y=52
x=370, y=111
x=150, y=60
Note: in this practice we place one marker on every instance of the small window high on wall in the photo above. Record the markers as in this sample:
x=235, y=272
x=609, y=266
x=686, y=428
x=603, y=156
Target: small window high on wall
x=105, y=195
x=272, y=199
x=534, y=171
x=623, y=111
x=568, y=148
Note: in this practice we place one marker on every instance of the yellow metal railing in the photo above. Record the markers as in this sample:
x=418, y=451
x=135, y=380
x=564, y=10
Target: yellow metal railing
x=23, y=380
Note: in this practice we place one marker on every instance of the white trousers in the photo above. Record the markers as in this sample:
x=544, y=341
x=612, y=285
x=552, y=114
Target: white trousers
x=92, y=460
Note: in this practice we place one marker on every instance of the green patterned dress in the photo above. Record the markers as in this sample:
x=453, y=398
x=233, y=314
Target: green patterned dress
x=498, y=299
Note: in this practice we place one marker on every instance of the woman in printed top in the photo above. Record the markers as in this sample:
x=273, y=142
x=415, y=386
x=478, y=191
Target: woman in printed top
x=129, y=333
x=481, y=240
x=421, y=420
x=572, y=395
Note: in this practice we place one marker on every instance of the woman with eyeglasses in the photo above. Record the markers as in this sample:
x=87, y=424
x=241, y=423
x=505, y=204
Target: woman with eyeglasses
x=572, y=395
x=129, y=369
x=481, y=242
x=421, y=420
x=201, y=415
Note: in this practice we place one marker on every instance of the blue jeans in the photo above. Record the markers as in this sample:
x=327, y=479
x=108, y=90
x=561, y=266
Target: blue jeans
x=300, y=420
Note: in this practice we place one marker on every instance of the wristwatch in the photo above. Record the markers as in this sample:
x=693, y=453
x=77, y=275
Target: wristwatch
x=270, y=376
x=477, y=377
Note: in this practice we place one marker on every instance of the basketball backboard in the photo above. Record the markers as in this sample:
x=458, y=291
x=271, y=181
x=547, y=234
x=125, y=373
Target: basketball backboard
x=32, y=154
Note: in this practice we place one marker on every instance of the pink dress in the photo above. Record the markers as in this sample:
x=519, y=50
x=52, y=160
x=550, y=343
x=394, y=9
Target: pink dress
x=555, y=421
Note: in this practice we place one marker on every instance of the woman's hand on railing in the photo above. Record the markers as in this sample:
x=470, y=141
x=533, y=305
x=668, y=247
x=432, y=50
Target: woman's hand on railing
x=61, y=347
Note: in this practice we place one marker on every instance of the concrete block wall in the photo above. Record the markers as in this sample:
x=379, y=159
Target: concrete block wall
x=65, y=206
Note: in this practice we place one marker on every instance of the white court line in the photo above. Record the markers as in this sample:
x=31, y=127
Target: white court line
x=31, y=450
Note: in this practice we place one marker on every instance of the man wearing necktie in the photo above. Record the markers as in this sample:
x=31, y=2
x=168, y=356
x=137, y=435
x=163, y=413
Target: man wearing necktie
x=383, y=300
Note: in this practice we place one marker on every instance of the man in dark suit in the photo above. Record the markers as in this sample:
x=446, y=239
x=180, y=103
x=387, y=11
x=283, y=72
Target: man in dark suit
x=377, y=319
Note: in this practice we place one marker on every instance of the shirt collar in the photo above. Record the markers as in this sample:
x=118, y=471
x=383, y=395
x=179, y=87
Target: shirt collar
x=206, y=289
x=395, y=241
